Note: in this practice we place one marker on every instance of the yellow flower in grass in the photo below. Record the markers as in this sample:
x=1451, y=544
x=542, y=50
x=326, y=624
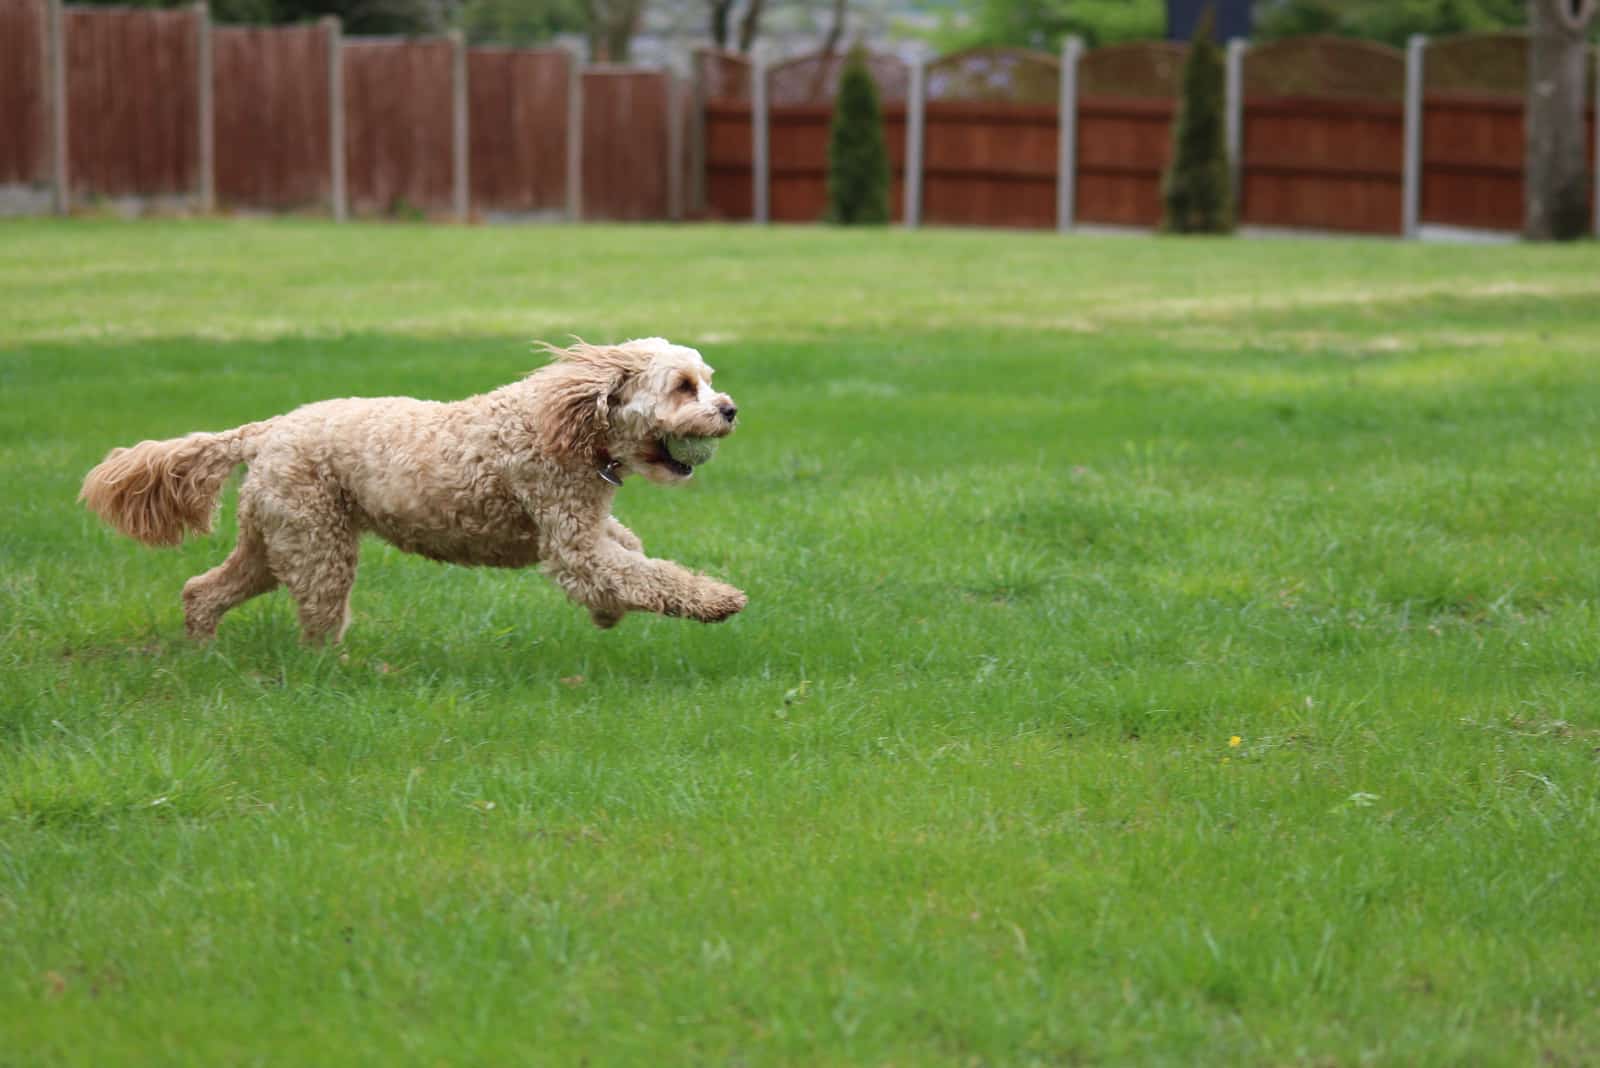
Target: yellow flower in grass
x=1234, y=742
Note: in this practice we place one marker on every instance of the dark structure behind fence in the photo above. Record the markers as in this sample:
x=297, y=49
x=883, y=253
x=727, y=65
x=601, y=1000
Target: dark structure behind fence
x=1325, y=133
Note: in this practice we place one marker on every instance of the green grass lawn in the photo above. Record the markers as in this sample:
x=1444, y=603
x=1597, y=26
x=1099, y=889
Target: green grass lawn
x=1159, y=651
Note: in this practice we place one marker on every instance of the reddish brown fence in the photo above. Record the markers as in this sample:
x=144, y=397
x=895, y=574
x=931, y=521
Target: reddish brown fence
x=398, y=143
x=24, y=95
x=1472, y=131
x=725, y=135
x=518, y=100
x=273, y=136
x=800, y=96
x=432, y=127
x=991, y=139
x=1128, y=95
x=1324, y=135
x=625, y=162
x=133, y=97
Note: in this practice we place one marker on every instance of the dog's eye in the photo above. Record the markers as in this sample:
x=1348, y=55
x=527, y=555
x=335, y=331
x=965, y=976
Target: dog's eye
x=686, y=386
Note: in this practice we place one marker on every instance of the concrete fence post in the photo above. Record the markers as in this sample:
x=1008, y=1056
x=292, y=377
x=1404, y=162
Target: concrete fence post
x=459, y=131
x=207, y=114
x=1234, y=118
x=56, y=66
x=760, y=158
x=916, y=124
x=574, y=137
x=338, y=197
x=1411, y=178
x=1067, y=133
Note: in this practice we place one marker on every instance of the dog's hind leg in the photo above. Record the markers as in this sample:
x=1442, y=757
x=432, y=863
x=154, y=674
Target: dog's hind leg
x=243, y=575
x=313, y=549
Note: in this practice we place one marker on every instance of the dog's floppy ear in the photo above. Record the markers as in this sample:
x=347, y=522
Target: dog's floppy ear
x=579, y=389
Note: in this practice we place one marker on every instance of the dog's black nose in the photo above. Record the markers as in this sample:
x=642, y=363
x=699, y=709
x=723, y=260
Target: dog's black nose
x=728, y=411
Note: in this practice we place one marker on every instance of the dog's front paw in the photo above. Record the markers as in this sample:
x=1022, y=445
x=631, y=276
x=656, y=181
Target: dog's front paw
x=718, y=601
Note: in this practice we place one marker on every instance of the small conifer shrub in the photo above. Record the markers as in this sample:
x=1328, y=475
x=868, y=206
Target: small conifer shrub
x=1197, y=190
x=858, y=159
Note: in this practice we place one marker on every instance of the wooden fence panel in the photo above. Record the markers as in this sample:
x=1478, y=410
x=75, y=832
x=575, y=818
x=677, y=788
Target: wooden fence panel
x=1323, y=164
x=800, y=94
x=133, y=101
x=271, y=111
x=518, y=130
x=24, y=94
x=399, y=125
x=1472, y=153
x=729, y=141
x=1124, y=145
x=1473, y=140
x=625, y=143
x=1126, y=103
x=1323, y=136
x=990, y=140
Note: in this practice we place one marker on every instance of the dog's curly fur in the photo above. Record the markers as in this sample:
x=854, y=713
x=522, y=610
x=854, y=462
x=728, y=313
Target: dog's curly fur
x=505, y=479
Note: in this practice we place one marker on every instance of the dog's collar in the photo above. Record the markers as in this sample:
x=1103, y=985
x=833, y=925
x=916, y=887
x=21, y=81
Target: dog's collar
x=610, y=471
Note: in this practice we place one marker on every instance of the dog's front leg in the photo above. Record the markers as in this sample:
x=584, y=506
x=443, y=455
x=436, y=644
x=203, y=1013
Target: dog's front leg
x=609, y=580
x=622, y=535
x=607, y=616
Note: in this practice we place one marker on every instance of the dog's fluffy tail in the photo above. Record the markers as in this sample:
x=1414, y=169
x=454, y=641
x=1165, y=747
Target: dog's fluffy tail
x=159, y=490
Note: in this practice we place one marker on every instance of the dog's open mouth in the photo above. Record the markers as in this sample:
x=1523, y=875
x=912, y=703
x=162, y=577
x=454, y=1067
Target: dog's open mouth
x=661, y=458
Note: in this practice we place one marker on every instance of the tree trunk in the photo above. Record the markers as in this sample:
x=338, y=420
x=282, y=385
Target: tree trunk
x=830, y=43
x=720, y=10
x=1556, y=205
x=611, y=27
x=750, y=26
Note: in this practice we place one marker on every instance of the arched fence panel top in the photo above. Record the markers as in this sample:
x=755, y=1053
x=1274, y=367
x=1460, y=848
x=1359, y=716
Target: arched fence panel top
x=996, y=75
x=1139, y=69
x=1323, y=66
x=379, y=43
x=521, y=50
x=1491, y=63
x=723, y=75
x=1478, y=63
x=815, y=79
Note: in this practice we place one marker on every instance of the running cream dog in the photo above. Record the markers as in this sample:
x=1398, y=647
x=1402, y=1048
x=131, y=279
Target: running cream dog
x=521, y=475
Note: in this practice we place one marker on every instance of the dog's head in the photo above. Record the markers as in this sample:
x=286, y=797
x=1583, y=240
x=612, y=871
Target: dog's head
x=618, y=403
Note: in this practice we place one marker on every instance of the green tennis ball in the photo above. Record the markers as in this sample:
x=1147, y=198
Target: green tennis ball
x=691, y=451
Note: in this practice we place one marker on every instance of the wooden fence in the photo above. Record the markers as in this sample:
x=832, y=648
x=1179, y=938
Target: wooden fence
x=725, y=136
x=274, y=127
x=1320, y=135
x=24, y=95
x=162, y=104
x=518, y=103
x=400, y=145
x=1323, y=136
x=1127, y=99
x=133, y=100
x=991, y=139
x=1325, y=133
